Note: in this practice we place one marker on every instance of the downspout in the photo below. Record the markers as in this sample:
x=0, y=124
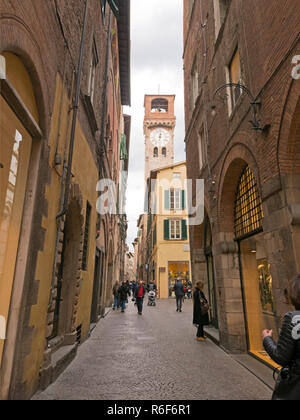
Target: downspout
x=74, y=120
x=67, y=170
x=104, y=95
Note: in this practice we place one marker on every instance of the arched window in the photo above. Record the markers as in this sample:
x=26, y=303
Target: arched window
x=248, y=207
x=159, y=105
x=164, y=152
x=155, y=152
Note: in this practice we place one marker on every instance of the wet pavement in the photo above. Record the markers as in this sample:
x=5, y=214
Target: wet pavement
x=153, y=357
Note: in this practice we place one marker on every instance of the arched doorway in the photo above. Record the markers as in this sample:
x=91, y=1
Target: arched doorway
x=18, y=142
x=257, y=287
x=69, y=272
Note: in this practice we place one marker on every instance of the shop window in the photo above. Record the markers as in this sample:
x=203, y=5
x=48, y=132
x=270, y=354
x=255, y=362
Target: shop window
x=248, y=208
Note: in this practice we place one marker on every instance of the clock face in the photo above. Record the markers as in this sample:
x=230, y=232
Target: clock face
x=160, y=137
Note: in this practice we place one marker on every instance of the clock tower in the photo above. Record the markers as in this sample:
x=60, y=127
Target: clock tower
x=159, y=125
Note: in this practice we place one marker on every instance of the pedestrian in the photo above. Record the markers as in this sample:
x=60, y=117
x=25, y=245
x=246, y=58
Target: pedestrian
x=123, y=295
x=116, y=287
x=140, y=292
x=286, y=352
x=179, y=293
x=200, y=315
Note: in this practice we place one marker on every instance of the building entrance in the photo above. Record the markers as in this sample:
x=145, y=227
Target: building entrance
x=15, y=150
x=258, y=294
x=178, y=270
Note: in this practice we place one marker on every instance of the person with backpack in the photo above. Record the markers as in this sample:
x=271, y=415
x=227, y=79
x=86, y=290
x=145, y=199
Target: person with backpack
x=286, y=352
x=201, y=308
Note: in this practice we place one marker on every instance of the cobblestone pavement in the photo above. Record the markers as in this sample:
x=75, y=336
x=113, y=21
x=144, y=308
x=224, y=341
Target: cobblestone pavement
x=153, y=357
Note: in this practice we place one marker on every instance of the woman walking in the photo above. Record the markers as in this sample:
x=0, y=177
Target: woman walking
x=200, y=316
x=287, y=351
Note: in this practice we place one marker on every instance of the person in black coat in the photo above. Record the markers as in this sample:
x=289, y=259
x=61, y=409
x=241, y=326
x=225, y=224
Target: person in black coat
x=179, y=293
x=198, y=318
x=123, y=295
x=286, y=352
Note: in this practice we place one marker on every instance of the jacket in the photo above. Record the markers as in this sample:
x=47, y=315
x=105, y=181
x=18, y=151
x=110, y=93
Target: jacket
x=179, y=289
x=198, y=318
x=123, y=292
x=287, y=351
x=136, y=291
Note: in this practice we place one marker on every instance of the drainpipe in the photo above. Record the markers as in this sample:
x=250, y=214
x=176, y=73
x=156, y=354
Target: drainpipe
x=74, y=120
x=104, y=94
x=67, y=170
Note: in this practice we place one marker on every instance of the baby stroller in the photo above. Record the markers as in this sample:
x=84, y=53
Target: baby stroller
x=151, y=298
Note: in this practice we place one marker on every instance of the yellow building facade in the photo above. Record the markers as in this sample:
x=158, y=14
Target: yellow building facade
x=168, y=239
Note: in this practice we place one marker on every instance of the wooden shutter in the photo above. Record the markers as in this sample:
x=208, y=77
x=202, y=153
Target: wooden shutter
x=183, y=199
x=166, y=230
x=184, y=230
x=167, y=199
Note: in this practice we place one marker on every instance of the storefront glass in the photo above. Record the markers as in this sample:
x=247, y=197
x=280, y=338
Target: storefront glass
x=178, y=270
x=258, y=293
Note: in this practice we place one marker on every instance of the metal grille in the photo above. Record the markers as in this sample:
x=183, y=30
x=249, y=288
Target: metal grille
x=248, y=207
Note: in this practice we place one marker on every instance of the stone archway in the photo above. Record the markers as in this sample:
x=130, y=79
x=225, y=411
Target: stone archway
x=68, y=275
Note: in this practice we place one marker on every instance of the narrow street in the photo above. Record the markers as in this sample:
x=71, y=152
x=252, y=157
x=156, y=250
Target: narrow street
x=153, y=357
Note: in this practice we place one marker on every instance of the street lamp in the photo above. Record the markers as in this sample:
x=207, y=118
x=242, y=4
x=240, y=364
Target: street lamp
x=255, y=104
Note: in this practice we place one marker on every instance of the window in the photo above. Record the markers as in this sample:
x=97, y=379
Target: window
x=175, y=199
x=195, y=81
x=164, y=152
x=235, y=77
x=220, y=10
x=155, y=152
x=86, y=236
x=175, y=229
x=92, y=74
x=202, y=148
x=176, y=175
x=248, y=208
x=159, y=105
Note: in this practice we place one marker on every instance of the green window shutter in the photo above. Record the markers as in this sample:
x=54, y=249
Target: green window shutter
x=166, y=230
x=167, y=199
x=184, y=230
x=183, y=199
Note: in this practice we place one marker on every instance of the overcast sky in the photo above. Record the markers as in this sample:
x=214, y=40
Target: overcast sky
x=156, y=66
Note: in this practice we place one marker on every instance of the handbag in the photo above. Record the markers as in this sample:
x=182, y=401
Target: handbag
x=204, y=306
x=287, y=385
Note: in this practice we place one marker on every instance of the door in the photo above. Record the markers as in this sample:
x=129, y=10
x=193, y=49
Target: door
x=15, y=150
